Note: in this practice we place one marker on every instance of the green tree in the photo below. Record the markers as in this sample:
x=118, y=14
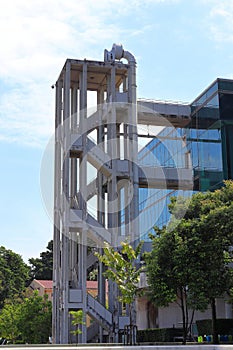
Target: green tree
x=211, y=217
x=77, y=321
x=122, y=269
x=42, y=268
x=27, y=319
x=168, y=275
x=14, y=275
x=189, y=262
x=9, y=318
x=35, y=319
x=216, y=235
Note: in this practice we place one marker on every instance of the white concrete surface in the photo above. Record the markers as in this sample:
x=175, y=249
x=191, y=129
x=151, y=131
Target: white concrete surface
x=116, y=347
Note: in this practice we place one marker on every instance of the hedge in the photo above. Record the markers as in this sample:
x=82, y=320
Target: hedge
x=224, y=326
x=158, y=335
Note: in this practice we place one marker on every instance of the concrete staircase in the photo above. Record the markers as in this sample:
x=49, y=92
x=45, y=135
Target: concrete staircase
x=99, y=313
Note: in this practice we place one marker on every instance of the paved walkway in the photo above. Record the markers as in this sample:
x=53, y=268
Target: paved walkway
x=116, y=347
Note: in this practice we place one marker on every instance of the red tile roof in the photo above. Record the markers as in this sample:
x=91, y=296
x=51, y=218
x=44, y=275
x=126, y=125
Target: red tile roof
x=47, y=284
x=92, y=284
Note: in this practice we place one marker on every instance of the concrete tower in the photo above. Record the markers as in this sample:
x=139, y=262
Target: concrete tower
x=97, y=180
x=102, y=141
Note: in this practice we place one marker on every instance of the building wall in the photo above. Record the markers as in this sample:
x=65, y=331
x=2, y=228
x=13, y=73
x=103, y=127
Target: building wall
x=148, y=316
x=42, y=290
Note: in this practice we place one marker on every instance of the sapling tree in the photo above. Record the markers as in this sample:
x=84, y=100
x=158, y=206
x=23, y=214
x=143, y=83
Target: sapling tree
x=121, y=268
x=77, y=321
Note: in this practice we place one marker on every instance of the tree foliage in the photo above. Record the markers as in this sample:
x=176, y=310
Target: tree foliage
x=168, y=274
x=42, y=268
x=77, y=322
x=9, y=318
x=122, y=269
x=35, y=321
x=189, y=262
x=27, y=320
x=14, y=275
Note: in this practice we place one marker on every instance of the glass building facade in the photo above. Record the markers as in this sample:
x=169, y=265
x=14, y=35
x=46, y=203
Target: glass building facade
x=210, y=136
x=207, y=141
x=167, y=150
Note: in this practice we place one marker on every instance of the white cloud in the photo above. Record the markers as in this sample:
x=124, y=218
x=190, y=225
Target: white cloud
x=220, y=20
x=36, y=37
x=26, y=114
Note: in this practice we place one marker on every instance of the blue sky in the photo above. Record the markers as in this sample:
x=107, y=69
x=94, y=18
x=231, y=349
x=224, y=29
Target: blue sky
x=181, y=47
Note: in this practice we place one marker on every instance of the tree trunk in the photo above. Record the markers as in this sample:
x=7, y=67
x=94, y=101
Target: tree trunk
x=183, y=316
x=214, y=322
x=130, y=326
x=186, y=317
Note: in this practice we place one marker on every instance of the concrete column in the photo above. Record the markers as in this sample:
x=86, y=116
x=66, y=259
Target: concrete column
x=82, y=246
x=82, y=276
x=66, y=206
x=83, y=116
x=65, y=288
x=101, y=207
x=57, y=208
x=74, y=108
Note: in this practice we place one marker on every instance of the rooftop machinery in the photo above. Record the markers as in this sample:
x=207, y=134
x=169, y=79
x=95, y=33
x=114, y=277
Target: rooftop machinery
x=97, y=179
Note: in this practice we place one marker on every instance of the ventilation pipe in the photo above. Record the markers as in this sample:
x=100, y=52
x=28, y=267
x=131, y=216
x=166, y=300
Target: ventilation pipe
x=117, y=53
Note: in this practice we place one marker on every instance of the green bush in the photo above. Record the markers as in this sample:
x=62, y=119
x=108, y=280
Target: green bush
x=158, y=335
x=224, y=326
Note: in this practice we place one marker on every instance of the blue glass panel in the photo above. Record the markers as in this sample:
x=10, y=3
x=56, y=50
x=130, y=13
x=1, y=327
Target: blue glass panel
x=207, y=94
x=214, y=102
